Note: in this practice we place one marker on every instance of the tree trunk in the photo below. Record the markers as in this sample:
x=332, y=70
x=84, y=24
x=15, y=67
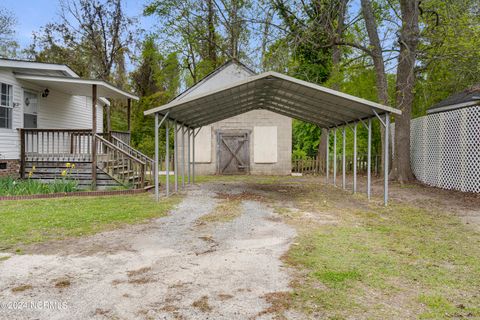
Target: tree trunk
x=212, y=50
x=336, y=57
x=408, y=40
x=378, y=62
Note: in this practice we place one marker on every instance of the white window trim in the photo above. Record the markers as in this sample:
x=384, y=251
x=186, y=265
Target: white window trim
x=11, y=106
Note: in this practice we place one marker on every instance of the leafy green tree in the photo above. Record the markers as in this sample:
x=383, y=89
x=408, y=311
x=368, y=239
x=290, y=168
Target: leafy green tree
x=156, y=80
x=8, y=45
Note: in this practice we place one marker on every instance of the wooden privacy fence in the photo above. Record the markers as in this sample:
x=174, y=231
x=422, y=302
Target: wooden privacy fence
x=315, y=165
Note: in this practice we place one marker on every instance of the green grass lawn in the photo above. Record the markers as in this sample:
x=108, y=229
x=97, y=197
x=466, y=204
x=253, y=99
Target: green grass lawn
x=398, y=262
x=29, y=221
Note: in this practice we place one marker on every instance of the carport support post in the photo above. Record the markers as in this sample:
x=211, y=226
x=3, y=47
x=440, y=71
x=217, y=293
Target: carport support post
x=155, y=170
x=369, y=159
x=167, y=157
x=355, y=157
x=327, y=168
x=183, y=157
x=335, y=156
x=343, y=158
x=189, y=132
x=94, y=139
x=193, y=154
x=386, y=157
x=175, y=155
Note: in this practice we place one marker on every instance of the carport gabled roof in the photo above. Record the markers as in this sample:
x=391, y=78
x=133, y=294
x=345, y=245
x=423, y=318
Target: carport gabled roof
x=277, y=93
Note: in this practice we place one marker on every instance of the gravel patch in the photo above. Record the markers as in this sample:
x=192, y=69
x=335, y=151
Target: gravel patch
x=169, y=268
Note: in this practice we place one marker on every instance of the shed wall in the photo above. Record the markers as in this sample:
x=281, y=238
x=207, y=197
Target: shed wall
x=248, y=121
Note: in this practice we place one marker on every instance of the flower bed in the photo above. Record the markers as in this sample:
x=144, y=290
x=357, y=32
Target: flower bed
x=13, y=187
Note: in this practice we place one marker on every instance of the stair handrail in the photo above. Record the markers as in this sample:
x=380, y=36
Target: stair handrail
x=134, y=160
x=108, y=143
x=133, y=150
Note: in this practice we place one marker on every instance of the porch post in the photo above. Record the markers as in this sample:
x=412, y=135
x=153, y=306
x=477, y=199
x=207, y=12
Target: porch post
x=109, y=123
x=129, y=107
x=157, y=196
x=94, y=139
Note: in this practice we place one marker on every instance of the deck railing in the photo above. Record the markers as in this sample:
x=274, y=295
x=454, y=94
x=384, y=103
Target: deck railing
x=55, y=144
x=123, y=136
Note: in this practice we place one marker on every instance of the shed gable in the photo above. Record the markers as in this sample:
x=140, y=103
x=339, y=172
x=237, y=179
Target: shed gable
x=225, y=75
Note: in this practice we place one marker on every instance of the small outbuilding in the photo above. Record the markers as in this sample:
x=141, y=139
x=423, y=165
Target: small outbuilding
x=255, y=142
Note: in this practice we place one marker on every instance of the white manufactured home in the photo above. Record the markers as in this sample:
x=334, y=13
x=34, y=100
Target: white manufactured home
x=255, y=142
x=47, y=120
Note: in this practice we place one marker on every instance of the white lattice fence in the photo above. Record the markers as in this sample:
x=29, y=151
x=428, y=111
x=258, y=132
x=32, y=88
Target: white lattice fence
x=445, y=149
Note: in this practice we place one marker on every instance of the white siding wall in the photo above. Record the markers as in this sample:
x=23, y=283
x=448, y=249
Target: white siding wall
x=58, y=110
x=9, y=138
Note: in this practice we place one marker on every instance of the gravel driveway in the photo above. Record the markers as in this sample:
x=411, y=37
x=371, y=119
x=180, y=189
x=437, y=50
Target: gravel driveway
x=169, y=268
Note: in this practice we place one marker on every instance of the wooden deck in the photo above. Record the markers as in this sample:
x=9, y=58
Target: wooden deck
x=50, y=150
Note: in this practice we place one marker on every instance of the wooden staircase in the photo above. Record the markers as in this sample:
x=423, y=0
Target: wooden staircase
x=48, y=171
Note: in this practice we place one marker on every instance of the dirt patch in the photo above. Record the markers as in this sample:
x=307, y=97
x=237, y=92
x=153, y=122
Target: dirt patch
x=243, y=196
x=22, y=288
x=224, y=296
x=134, y=273
x=225, y=211
x=102, y=312
x=202, y=304
x=279, y=303
x=63, y=282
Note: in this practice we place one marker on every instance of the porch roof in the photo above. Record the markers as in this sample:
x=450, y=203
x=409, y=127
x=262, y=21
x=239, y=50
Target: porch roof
x=275, y=92
x=77, y=86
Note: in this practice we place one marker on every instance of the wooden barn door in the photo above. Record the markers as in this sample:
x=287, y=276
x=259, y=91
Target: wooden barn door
x=233, y=156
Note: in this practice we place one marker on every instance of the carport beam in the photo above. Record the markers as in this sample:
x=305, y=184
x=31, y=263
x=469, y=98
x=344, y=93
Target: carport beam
x=343, y=158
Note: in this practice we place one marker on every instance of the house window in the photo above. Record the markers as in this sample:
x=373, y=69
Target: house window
x=6, y=104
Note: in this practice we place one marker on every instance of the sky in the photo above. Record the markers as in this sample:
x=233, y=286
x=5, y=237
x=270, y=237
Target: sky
x=33, y=14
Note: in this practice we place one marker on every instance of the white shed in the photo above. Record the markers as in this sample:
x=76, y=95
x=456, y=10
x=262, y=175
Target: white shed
x=255, y=142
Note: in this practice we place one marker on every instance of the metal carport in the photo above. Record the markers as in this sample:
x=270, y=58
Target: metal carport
x=278, y=93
